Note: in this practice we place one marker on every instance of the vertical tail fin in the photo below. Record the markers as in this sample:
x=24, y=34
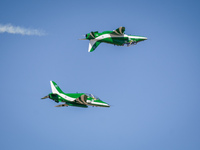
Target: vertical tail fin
x=93, y=45
x=55, y=88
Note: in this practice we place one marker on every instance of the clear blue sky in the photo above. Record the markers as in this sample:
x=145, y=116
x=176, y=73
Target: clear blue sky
x=153, y=88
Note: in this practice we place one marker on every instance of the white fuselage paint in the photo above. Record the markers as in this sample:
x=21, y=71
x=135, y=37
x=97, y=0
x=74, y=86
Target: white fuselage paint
x=101, y=37
x=66, y=97
x=97, y=103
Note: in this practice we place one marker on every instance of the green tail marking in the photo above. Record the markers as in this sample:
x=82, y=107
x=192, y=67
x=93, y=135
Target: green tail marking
x=95, y=46
x=57, y=87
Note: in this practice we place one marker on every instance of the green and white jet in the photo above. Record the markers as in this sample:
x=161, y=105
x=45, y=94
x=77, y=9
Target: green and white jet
x=73, y=99
x=116, y=37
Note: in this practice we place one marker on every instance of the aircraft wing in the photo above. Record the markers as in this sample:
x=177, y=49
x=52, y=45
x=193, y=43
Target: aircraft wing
x=93, y=45
x=82, y=99
x=119, y=31
x=62, y=105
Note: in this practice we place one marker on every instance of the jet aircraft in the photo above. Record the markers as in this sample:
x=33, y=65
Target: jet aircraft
x=116, y=37
x=73, y=99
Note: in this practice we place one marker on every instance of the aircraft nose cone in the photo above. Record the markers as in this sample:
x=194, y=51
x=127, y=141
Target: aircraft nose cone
x=144, y=38
x=108, y=105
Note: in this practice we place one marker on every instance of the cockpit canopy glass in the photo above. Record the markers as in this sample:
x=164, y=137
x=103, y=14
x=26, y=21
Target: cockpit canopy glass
x=93, y=96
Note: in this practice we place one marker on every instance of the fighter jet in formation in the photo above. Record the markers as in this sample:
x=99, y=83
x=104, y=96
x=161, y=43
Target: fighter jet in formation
x=73, y=99
x=116, y=37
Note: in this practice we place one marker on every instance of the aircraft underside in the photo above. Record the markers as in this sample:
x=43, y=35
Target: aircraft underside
x=120, y=42
x=78, y=105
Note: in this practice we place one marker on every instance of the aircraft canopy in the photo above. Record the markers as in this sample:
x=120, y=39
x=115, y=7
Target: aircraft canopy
x=93, y=96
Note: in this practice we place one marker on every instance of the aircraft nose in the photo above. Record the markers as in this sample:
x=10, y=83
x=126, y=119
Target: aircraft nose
x=144, y=38
x=107, y=105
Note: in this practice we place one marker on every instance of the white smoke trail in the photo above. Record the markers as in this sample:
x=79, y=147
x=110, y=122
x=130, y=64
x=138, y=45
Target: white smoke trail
x=19, y=30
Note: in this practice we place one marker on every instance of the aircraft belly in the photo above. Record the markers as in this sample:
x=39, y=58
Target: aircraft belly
x=76, y=104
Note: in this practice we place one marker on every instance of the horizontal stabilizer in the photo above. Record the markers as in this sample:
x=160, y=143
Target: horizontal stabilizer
x=91, y=36
x=45, y=97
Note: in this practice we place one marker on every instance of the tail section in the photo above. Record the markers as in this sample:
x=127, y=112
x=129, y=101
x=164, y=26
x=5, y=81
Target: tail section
x=93, y=45
x=55, y=88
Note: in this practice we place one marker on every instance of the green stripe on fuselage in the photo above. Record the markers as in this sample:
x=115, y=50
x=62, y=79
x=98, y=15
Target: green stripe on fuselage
x=115, y=40
x=58, y=98
x=74, y=95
